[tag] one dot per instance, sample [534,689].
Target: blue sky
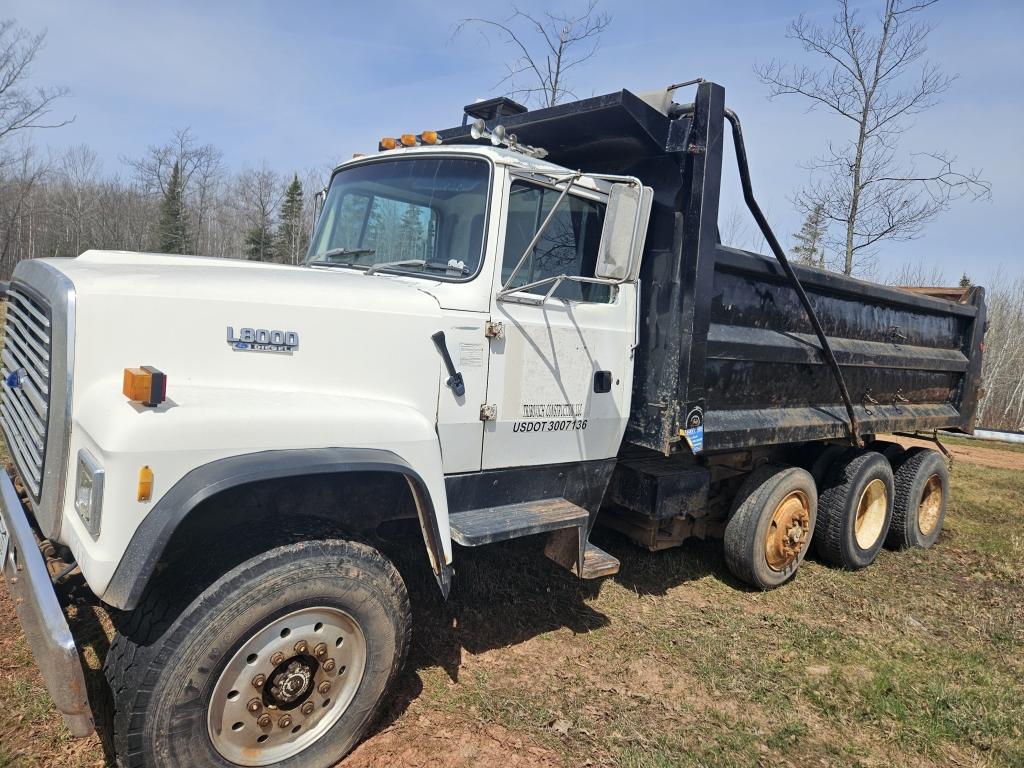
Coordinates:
[302,84]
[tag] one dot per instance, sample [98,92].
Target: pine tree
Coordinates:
[410,233]
[172,226]
[259,243]
[810,240]
[965,281]
[292,239]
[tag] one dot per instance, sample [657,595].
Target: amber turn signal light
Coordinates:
[145,385]
[145,484]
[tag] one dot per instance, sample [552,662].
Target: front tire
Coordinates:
[282,661]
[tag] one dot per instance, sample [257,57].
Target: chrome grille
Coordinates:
[24,409]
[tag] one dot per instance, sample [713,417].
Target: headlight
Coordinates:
[89,492]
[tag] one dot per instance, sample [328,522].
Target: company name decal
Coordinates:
[552,410]
[551,417]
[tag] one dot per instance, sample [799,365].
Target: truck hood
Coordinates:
[358,335]
[155,274]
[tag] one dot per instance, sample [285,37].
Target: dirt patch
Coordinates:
[431,740]
[971,454]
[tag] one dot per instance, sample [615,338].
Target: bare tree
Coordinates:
[1002,395]
[19,206]
[259,192]
[876,79]
[547,47]
[917,273]
[21,107]
[200,169]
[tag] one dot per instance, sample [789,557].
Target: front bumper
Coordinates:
[39,610]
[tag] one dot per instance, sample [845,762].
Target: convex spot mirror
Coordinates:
[625,230]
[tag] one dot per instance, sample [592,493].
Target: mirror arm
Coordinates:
[540,230]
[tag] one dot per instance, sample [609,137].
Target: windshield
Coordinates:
[413,214]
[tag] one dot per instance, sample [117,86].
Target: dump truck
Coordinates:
[523,325]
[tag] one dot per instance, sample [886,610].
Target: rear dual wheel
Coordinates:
[771,525]
[922,492]
[854,509]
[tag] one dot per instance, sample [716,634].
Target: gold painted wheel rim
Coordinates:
[788,531]
[929,509]
[867,527]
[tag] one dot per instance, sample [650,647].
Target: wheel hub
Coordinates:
[304,669]
[871,508]
[290,684]
[788,531]
[930,508]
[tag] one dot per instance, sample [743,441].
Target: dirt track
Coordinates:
[973,454]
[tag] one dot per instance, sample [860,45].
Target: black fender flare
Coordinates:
[140,558]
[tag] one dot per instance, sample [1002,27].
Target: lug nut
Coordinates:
[301,646]
[325,687]
[254,706]
[307,708]
[285,721]
[320,651]
[264,721]
[329,665]
[277,658]
[258,681]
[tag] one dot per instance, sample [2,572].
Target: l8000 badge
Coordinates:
[263,340]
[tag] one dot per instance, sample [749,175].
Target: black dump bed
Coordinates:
[728,358]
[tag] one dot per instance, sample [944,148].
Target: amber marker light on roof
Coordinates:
[408,140]
[145,385]
[388,142]
[430,137]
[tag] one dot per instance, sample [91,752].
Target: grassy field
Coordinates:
[916,661]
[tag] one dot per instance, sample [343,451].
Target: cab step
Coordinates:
[565,523]
[487,525]
[597,563]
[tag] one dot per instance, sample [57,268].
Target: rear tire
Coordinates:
[892,451]
[771,525]
[922,494]
[177,675]
[854,510]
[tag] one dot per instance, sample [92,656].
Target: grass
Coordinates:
[994,444]
[915,661]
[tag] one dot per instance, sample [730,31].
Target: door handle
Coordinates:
[455,382]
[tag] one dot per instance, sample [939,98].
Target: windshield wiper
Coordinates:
[389,264]
[325,257]
[440,265]
[462,269]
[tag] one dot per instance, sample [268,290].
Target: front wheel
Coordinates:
[282,661]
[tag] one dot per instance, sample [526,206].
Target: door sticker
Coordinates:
[551,417]
[471,355]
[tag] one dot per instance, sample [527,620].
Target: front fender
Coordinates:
[200,426]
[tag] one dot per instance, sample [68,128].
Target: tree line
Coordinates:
[177,198]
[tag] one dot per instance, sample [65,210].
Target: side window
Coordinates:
[567,247]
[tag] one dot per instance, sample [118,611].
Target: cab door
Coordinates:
[560,373]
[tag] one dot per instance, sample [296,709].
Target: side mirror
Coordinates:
[625,230]
[318,207]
